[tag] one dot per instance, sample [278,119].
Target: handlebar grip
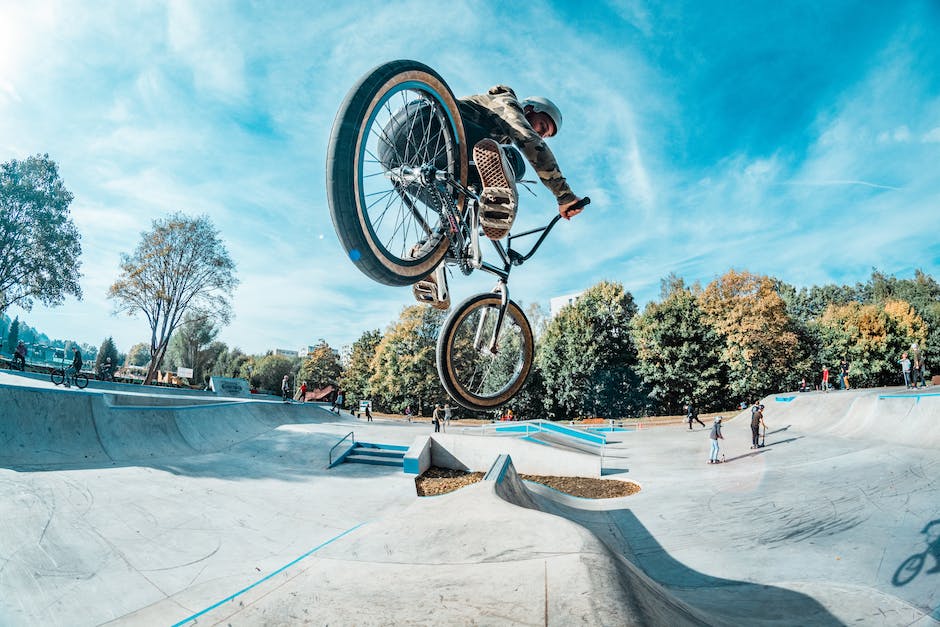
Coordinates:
[581,203]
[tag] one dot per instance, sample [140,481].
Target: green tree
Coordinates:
[587,357]
[679,353]
[268,372]
[404,362]
[138,355]
[355,377]
[232,363]
[39,244]
[179,266]
[106,350]
[322,367]
[190,343]
[761,344]
[13,336]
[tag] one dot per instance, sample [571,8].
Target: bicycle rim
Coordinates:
[57,377]
[409,129]
[473,374]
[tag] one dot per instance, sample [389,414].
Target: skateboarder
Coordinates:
[714,436]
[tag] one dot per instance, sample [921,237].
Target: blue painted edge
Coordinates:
[575,433]
[390,447]
[784,399]
[410,466]
[266,577]
[498,470]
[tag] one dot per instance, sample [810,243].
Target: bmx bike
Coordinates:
[398,174]
[58,376]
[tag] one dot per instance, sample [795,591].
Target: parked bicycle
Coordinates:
[398,174]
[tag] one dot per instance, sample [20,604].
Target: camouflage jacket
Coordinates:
[498,112]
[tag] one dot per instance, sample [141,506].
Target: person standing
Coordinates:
[906,369]
[917,366]
[436,417]
[303,392]
[447,410]
[844,375]
[714,436]
[285,388]
[825,378]
[757,421]
[691,414]
[368,412]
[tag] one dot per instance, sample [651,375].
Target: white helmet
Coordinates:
[546,106]
[717,418]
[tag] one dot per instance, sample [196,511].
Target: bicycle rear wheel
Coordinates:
[397,127]
[474,376]
[57,376]
[81,380]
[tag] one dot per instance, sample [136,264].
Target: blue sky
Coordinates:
[797,139]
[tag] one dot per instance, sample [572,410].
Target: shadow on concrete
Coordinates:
[727,601]
[913,565]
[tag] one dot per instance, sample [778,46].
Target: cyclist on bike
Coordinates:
[105,371]
[76,366]
[496,123]
[19,355]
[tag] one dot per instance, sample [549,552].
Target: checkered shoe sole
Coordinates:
[499,199]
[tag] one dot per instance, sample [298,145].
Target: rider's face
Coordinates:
[541,123]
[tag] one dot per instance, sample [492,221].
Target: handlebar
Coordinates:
[517,258]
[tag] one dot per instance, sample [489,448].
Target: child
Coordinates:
[714,436]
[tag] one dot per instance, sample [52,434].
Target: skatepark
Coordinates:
[124,507]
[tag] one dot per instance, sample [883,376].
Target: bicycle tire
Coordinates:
[908,569]
[478,379]
[81,380]
[57,376]
[378,220]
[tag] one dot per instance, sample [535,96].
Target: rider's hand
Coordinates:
[567,211]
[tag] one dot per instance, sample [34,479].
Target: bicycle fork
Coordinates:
[480,340]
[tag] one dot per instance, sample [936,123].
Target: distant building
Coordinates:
[556,304]
[305,351]
[284,352]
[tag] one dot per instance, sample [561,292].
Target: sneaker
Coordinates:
[499,198]
[432,290]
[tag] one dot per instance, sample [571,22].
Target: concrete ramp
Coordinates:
[43,428]
[878,415]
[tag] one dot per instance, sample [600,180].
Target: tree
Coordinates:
[355,377]
[404,362]
[189,344]
[232,363]
[179,266]
[13,336]
[268,372]
[106,350]
[761,346]
[322,367]
[587,357]
[39,244]
[679,353]
[138,355]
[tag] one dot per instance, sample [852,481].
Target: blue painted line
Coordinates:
[784,399]
[263,579]
[881,396]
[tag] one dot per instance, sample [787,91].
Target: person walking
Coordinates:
[303,392]
[285,388]
[368,412]
[436,417]
[714,436]
[906,369]
[757,421]
[691,414]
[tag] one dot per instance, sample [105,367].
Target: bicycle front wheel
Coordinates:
[81,380]
[397,129]
[474,375]
[57,377]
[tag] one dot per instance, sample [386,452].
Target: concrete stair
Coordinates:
[376,454]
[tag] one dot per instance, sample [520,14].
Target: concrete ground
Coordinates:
[141,510]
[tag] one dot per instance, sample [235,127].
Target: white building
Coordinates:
[556,304]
